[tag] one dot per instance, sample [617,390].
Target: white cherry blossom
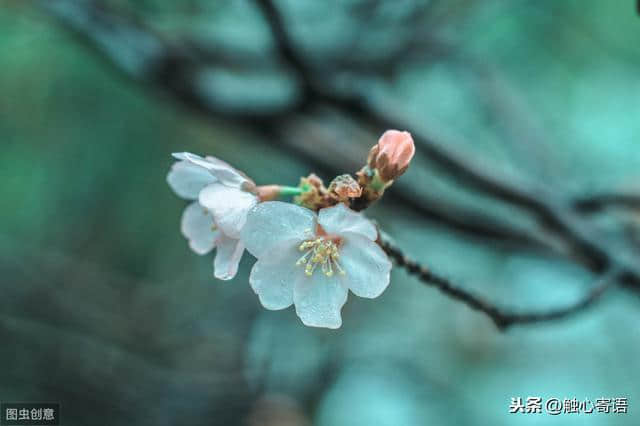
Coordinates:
[312,261]
[229,197]
[188,178]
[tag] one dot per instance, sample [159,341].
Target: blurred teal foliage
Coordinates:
[105,309]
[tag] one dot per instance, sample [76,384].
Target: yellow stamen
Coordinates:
[320,251]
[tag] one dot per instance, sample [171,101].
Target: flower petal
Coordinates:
[271,276]
[229,207]
[198,227]
[187,179]
[340,218]
[225,173]
[319,299]
[228,254]
[273,222]
[367,267]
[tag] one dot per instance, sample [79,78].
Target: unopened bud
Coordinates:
[392,154]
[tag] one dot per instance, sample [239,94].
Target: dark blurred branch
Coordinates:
[503,187]
[172,69]
[552,209]
[145,56]
[502,318]
[598,202]
[284,43]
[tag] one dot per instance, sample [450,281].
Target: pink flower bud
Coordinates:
[392,154]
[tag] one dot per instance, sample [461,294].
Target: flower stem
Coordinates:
[287,191]
[377,184]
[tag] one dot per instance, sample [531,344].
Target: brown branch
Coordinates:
[502,318]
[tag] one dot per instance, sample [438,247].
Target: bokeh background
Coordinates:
[104,309]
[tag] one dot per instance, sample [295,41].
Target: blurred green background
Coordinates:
[105,309]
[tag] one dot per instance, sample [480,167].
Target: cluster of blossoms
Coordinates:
[311,252]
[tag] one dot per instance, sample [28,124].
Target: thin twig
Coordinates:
[502,318]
